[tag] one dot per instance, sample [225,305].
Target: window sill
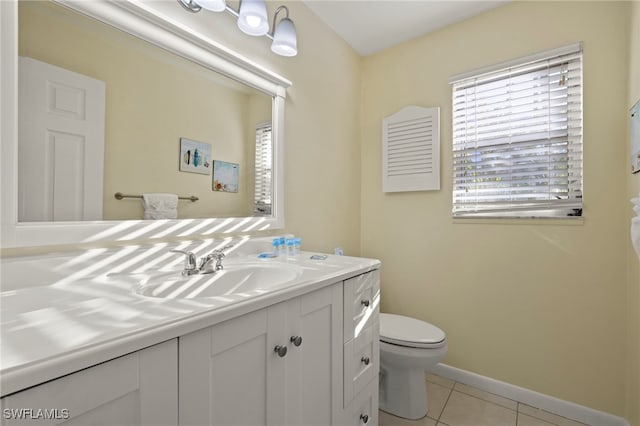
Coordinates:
[568,221]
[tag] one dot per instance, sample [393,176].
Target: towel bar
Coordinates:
[120,196]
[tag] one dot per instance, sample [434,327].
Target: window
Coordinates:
[263,171]
[517,138]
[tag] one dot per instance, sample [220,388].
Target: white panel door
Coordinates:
[60,144]
[230,374]
[314,367]
[139,389]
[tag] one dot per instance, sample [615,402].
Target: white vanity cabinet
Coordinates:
[277,366]
[249,371]
[361,348]
[304,358]
[136,389]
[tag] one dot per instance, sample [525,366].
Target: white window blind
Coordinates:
[263,171]
[517,139]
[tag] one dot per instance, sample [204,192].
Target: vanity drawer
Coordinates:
[361,361]
[365,406]
[361,303]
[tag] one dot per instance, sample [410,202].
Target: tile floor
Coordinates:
[455,404]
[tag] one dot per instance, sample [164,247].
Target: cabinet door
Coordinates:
[314,369]
[136,389]
[230,374]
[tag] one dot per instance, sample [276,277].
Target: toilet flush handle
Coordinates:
[364,418]
[365,302]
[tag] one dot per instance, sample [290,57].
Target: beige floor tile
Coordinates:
[496,399]
[438,396]
[524,420]
[466,410]
[442,381]
[386,419]
[547,416]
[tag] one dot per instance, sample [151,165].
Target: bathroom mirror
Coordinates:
[127,118]
[149,146]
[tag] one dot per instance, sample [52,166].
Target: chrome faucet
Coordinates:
[206,263]
[189,262]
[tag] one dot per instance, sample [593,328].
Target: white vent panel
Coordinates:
[411,150]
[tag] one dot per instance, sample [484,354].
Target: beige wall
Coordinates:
[633,270]
[535,304]
[152,100]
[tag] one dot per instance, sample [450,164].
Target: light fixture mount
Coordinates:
[253,20]
[190,5]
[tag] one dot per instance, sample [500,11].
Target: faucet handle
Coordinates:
[219,253]
[190,267]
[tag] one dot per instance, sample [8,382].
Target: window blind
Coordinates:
[517,139]
[263,171]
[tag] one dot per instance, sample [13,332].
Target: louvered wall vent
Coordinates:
[411,150]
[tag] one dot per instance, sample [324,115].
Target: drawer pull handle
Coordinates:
[364,418]
[366,303]
[365,360]
[296,340]
[280,350]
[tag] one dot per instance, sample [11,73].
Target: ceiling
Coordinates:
[373,25]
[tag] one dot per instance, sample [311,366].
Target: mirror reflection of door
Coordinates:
[61,144]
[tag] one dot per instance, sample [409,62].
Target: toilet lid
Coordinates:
[409,332]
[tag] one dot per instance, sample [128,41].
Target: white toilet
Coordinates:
[408,347]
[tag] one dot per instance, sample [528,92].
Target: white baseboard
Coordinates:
[548,403]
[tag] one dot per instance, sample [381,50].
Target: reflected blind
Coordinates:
[517,139]
[263,171]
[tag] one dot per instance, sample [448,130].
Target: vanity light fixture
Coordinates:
[253,20]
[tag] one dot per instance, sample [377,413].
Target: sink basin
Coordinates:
[233,279]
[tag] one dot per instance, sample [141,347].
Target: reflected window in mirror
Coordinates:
[264,169]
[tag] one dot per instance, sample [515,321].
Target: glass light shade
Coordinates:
[212,5]
[285,40]
[252,17]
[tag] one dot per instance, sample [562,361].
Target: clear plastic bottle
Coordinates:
[297,242]
[290,247]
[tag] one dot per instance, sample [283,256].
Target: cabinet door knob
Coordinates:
[280,350]
[364,418]
[365,360]
[296,340]
[366,303]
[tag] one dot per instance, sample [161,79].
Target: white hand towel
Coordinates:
[635,234]
[635,226]
[160,206]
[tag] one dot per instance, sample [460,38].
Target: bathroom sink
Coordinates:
[233,279]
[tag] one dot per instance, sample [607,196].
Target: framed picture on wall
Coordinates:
[195,157]
[635,137]
[225,176]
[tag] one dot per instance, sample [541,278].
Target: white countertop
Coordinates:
[61,313]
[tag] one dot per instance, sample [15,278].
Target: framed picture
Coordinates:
[195,157]
[635,137]
[225,176]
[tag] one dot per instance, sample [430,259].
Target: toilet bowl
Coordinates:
[408,347]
